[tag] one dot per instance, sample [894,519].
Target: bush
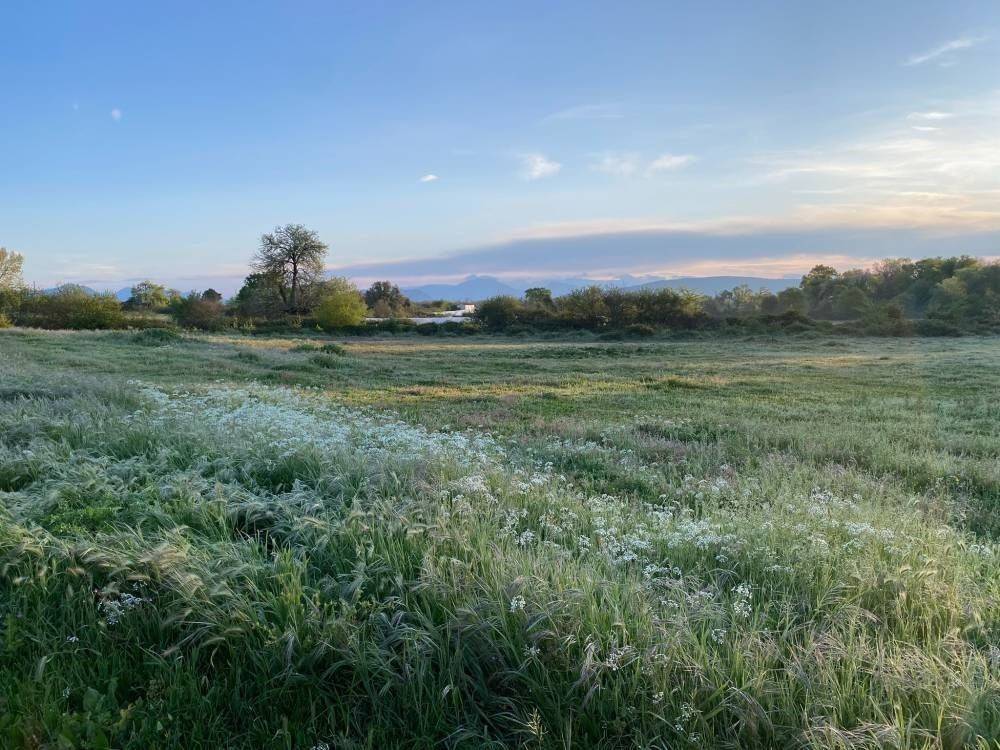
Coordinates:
[71,308]
[5,322]
[325,348]
[464,328]
[519,329]
[934,327]
[142,322]
[326,361]
[887,320]
[639,330]
[156,337]
[392,325]
[497,313]
[340,308]
[194,311]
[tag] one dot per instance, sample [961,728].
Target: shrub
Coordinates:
[519,329]
[141,322]
[326,361]
[194,311]
[935,327]
[5,322]
[72,308]
[639,330]
[392,325]
[156,337]
[497,313]
[341,306]
[887,320]
[464,328]
[325,348]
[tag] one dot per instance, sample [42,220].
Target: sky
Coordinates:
[426,141]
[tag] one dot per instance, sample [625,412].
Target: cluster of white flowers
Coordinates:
[687,715]
[741,601]
[619,656]
[115,607]
[287,421]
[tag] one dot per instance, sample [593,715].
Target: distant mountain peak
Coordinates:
[475,287]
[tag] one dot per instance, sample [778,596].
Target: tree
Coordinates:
[539,297]
[292,257]
[340,306]
[818,287]
[147,296]
[793,299]
[851,302]
[210,295]
[385,299]
[258,297]
[10,269]
[496,313]
[585,307]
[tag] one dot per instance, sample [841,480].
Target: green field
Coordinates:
[229,542]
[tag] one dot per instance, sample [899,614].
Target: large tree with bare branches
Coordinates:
[292,256]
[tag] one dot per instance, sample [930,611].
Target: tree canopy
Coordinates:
[292,257]
[341,305]
[11,264]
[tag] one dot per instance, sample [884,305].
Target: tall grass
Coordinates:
[217,565]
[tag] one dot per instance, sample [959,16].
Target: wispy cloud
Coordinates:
[953,45]
[116,114]
[898,178]
[538,166]
[670,162]
[620,165]
[429,178]
[629,164]
[932,115]
[586,112]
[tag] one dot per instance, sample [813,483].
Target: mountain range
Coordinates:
[474,288]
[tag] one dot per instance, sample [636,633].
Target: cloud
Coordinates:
[116,114]
[620,165]
[670,162]
[586,112]
[538,166]
[712,248]
[429,178]
[628,164]
[933,115]
[953,45]
[886,167]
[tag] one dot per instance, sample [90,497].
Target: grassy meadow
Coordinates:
[213,541]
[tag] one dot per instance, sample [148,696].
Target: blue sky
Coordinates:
[160,140]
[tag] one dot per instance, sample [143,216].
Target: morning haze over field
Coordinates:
[500,376]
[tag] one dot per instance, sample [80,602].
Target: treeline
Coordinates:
[287,290]
[936,296]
